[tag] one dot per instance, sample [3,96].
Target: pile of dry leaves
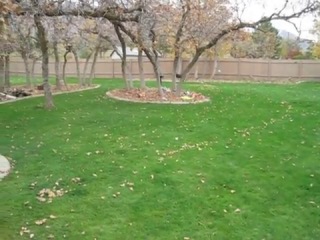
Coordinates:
[152,95]
[23,91]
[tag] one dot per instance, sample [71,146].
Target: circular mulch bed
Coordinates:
[16,93]
[151,95]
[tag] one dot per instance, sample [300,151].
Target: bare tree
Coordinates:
[43,41]
[279,15]
[93,65]
[193,26]
[57,28]
[141,69]
[123,54]
[21,28]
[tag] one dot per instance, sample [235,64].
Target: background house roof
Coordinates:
[131,52]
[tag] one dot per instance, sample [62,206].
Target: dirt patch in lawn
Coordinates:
[151,95]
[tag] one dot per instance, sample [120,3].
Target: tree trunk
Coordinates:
[84,73]
[57,65]
[129,71]
[175,71]
[2,73]
[95,56]
[45,61]
[215,68]
[215,61]
[152,56]
[177,65]
[7,72]
[196,72]
[177,44]
[190,65]
[123,56]
[141,70]
[27,69]
[64,68]
[76,58]
[34,62]
[156,69]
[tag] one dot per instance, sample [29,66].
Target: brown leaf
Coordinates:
[41,199]
[238,210]
[41,222]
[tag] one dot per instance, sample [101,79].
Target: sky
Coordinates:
[254,10]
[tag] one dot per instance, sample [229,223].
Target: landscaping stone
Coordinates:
[4,167]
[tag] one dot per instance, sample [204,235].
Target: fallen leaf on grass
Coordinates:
[130,184]
[24,230]
[47,194]
[76,180]
[238,210]
[41,222]
[32,185]
[41,199]
[116,194]
[52,217]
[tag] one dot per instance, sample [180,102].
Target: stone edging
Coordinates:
[110,95]
[4,167]
[57,93]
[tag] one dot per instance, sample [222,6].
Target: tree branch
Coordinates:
[111,13]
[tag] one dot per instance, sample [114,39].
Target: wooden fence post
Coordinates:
[113,69]
[300,70]
[269,69]
[238,69]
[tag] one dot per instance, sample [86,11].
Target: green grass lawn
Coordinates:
[244,166]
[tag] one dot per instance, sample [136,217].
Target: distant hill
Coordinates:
[304,44]
[287,35]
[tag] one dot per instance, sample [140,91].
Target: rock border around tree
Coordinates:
[113,95]
[5,167]
[54,93]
